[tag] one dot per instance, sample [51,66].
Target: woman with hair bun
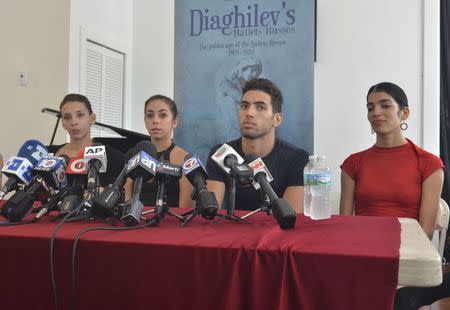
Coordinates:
[394,177]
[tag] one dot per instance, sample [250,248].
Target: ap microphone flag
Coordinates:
[96,153]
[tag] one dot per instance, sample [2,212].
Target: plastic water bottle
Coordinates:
[320,176]
[307,185]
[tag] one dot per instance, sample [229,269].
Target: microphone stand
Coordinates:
[54,130]
[161,208]
[188,216]
[232,203]
[58,118]
[86,212]
[266,206]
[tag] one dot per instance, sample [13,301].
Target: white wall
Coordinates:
[153,55]
[34,39]
[107,22]
[359,43]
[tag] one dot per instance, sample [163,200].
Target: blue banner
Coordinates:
[219,45]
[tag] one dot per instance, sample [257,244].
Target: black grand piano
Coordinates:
[126,140]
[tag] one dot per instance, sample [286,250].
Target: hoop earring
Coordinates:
[371,131]
[403,125]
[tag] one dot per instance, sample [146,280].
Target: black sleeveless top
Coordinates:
[150,189]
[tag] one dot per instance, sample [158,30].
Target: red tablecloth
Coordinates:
[340,263]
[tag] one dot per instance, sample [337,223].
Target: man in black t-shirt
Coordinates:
[259,115]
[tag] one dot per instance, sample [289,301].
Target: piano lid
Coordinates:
[126,141]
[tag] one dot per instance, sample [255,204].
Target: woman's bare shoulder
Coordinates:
[177,155]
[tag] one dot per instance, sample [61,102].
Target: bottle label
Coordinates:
[306,177]
[319,179]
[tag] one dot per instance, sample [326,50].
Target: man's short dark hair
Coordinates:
[269,88]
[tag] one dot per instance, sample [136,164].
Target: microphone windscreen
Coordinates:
[131,153]
[147,147]
[33,150]
[229,160]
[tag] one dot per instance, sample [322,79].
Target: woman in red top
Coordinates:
[394,177]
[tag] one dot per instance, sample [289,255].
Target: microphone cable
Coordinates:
[52,260]
[73,299]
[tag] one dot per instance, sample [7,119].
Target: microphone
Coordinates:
[33,150]
[140,168]
[49,175]
[76,165]
[53,170]
[72,200]
[195,172]
[221,153]
[242,172]
[206,202]
[168,171]
[103,206]
[17,206]
[233,164]
[95,162]
[18,168]
[76,169]
[165,172]
[257,165]
[52,204]
[282,211]
[60,182]
[95,159]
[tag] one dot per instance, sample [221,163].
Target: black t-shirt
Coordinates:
[114,165]
[285,162]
